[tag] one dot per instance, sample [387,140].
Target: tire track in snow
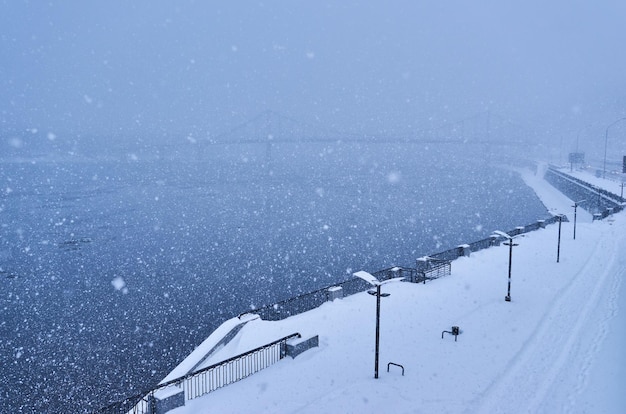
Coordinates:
[570,348]
[609,312]
[520,387]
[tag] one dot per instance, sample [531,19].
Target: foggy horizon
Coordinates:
[155,71]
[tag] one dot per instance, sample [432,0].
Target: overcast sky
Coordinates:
[177,67]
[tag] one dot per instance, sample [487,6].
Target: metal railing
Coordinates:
[598,201]
[205,380]
[135,404]
[306,301]
[482,244]
[433,268]
[234,369]
[311,300]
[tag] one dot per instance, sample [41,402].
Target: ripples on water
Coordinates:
[112,271]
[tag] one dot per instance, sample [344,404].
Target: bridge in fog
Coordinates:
[271,130]
[271,127]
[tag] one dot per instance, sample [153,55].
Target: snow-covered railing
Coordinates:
[430,268]
[306,301]
[596,200]
[438,266]
[466,249]
[234,369]
[174,393]
[311,300]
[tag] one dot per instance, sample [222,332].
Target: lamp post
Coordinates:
[510,244]
[576,204]
[558,245]
[606,141]
[375,282]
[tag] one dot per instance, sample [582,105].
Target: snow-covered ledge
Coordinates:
[297,346]
[216,341]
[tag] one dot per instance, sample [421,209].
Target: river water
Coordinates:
[112,271]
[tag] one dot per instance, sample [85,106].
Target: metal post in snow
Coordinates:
[575,207]
[377,331]
[576,204]
[558,246]
[510,244]
[508,291]
[375,282]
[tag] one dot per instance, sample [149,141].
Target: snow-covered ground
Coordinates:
[556,347]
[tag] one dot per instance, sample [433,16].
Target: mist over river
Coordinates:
[114,269]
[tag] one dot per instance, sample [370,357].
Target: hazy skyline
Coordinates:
[165,69]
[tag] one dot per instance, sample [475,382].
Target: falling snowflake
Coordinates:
[119,284]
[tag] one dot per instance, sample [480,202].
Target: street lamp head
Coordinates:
[374,293]
[371,279]
[498,233]
[501,234]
